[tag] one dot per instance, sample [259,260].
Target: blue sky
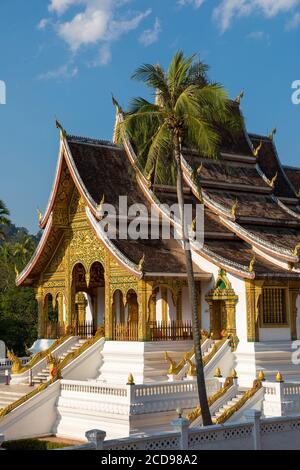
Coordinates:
[63,58]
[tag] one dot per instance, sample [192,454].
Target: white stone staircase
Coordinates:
[43,375]
[228,404]
[10,394]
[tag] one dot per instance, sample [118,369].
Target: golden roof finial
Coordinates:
[16,271]
[63,133]
[296,250]
[261,376]
[116,104]
[100,205]
[273,180]
[273,132]
[234,374]
[279,377]
[40,215]
[257,149]
[218,372]
[233,209]
[141,264]
[130,380]
[251,265]
[199,169]
[239,97]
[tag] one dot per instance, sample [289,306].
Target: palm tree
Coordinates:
[188,110]
[4,220]
[24,249]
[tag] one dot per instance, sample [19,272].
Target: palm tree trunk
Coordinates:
[206,417]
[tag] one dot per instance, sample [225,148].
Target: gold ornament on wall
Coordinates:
[257,149]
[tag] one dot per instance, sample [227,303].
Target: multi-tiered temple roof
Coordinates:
[252,210]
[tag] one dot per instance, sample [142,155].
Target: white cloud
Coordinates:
[94,22]
[64,72]
[43,23]
[293,23]
[195,3]
[150,36]
[227,10]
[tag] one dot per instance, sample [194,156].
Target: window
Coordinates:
[274,306]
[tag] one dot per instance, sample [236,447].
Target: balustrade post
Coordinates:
[96,437]
[254,416]
[181,425]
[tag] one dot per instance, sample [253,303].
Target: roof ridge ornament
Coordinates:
[141,264]
[100,205]
[234,208]
[199,169]
[251,265]
[273,180]
[40,215]
[273,133]
[296,250]
[63,133]
[257,149]
[239,97]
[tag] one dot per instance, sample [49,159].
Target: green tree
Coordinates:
[4,220]
[190,111]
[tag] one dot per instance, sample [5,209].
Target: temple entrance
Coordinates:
[89,297]
[222,302]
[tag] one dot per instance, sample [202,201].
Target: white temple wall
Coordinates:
[274,334]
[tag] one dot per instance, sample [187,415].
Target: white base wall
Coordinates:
[145,361]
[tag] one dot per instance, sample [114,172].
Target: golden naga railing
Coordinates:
[257,385]
[211,400]
[214,351]
[58,373]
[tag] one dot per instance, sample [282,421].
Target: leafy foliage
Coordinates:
[33,444]
[18,310]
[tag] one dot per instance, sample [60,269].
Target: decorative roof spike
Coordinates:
[16,271]
[234,208]
[251,265]
[257,149]
[273,133]
[296,250]
[141,264]
[116,104]
[218,372]
[130,380]
[199,169]
[279,377]
[234,374]
[100,205]
[40,215]
[239,97]
[273,180]
[63,133]
[261,376]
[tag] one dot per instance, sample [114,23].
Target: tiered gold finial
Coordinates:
[130,380]
[40,215]
[199,169]
[63,133]
[296,250]
[218,372]
[234,374]
[279,378]
[257,149]
[141,264]
[273,180]
[239,97]
[251,265]
[261,376]
[234,208]
[271,136]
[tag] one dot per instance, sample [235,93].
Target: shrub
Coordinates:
[32,444]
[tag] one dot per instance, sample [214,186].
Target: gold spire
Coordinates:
[130,380]
[271,136]
[141,264]
[273,180]
[40,215]
[239,97]
[261,376]
[251,265]
[233,209]
[296,250]
[279,377]
[63,133]
[218,372]
[100,205]
[257,149]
